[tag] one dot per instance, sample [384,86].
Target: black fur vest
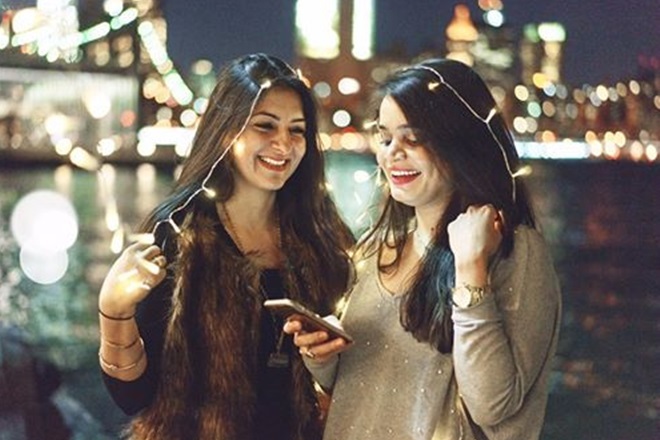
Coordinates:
[207,389]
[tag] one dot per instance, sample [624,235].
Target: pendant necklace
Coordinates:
[276,359]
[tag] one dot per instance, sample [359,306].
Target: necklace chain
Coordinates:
[231,229]
[276,359]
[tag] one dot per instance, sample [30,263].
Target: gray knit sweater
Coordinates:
[389,386]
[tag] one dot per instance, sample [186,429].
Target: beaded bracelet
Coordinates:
[116,368]
[119,346]
[116,318]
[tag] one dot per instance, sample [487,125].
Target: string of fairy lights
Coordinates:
[203,187]
[434,85]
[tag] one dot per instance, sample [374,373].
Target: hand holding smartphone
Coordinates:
[287,308]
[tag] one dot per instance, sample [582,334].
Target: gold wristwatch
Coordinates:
[467,295]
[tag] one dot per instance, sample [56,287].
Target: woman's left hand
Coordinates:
[474,236]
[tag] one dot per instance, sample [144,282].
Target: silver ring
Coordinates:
[146,284]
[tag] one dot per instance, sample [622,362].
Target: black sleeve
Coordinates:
[151,318]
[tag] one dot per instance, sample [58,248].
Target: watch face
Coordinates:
[462,296]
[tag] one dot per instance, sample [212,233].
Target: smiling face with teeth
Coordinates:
[415,176]
[273,144]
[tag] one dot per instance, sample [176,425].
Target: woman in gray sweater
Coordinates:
[456,309]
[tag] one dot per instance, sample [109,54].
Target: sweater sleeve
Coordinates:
[503,345]
[324,374]
[133,396]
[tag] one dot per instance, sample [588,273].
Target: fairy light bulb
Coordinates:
[176,227]
[523,171]
[210,192]
[490,115]
[467,105]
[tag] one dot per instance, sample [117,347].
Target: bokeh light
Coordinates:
[44,268]
[44,224]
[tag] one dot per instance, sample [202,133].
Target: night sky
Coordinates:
[604,37]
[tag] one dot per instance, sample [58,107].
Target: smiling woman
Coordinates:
[273,144]
[185,340]
[456,308]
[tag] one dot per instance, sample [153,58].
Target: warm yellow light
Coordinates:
[552,32]
[348,86]
[106,147]
[532,124]
[549,109]
[26,19]
[602,93]
[202,67]
[611,150]
[210,193]
[112,217]
[146,149]
[525,170]
[363,29]
[519,124]
[521,92]
[317,27]
[637,150]
[620,139]
[351,141]
[97,102]
[548,136]
[590,137]
[596,149]
[635,88]
[81,158]
[188,118]
[341,118]
[540,80]
[63,146]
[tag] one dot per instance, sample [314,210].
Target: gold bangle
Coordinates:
[116,318]
[119,346]
[116,368]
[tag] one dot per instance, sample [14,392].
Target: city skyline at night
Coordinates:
[604,39]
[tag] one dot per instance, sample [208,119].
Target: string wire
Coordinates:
[203,188]
[486,120]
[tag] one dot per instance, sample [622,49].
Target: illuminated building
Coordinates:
[461,36]
[335,48]
[93,75]
[541,49]
[487,45]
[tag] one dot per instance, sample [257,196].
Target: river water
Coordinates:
[601,220]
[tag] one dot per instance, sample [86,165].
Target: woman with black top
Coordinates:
[186,346]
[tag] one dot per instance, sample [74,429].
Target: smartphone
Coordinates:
[311,321]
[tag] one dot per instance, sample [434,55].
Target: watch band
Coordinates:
[467,295]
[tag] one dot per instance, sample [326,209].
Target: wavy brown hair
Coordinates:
[315,237]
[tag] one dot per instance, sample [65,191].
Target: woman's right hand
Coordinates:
[314,345]
[138,269]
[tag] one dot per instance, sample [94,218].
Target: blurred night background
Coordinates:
[99,100]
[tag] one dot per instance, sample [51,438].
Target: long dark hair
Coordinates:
[457,137]
[310,224]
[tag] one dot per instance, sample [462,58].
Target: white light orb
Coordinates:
[44,222]
[44,268]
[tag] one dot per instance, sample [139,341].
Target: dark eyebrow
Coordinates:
[264,113]
[400,127]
